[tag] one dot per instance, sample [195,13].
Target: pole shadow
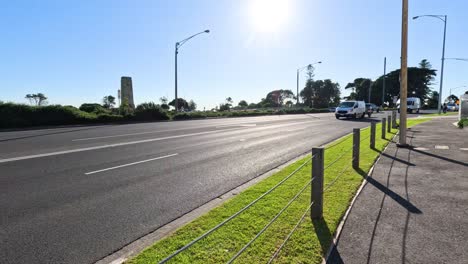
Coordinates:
[440,157]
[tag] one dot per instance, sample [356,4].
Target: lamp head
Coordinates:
[415,17]
[207,31]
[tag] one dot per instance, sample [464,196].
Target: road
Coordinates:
[77,194]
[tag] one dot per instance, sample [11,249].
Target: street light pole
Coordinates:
[384,76]
[444,19]
[297,78]
[177,46]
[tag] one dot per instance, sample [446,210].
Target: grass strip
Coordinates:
[311,239]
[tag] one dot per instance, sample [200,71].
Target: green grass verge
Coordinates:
[441,114]
[310,241]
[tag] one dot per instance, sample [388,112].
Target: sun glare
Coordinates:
[269,15]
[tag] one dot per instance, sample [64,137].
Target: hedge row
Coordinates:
[20,115]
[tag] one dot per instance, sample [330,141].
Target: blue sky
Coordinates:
[76,51]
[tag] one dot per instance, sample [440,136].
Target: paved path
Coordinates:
[414,207]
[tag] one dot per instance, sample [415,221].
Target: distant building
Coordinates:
[126,88]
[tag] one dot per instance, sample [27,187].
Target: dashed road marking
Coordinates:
[130,164]
[441,147]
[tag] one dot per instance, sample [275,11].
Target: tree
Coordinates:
[38,99]
[289,103]
[192,106]
[164,104]
[321,93]
[243,104]
[425,64]
[108,101]
[181,103]
[93,108]
[276,98]
[419,81]
[125,108]
[433,100]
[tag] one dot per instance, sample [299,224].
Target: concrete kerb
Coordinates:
[337,234]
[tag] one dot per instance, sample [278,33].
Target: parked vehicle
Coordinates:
[413,105]
[452,107]
[369,109]
[375,108]
[351,109]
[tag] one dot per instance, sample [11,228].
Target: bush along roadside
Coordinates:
[463,123]
[261,224]
[20,115]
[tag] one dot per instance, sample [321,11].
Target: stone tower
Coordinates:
[126,88]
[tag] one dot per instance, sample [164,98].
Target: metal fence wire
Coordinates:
[185,247]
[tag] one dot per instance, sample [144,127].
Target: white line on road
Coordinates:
[110,145]
[160,131]
[130,164]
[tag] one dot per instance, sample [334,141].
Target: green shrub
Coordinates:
[110,118]
[150,112]
[190,115]
[94,108]
[20,115]
[463,123]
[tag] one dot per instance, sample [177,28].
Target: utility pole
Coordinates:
[443,62]
[384,76]
[404,74]
[370,86]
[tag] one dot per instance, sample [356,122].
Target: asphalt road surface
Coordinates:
[77,194]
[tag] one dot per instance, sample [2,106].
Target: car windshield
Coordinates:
[346,104]
[410,102]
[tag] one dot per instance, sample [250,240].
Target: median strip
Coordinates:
[130,164]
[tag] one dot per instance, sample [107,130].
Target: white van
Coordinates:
[413,104]
[352,109]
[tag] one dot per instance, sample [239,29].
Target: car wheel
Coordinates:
[369,115]
[410,111]
[417,111]
[337,117]
[354,116]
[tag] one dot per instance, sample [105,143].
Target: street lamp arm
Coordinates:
[182,42]
[307,66]
[459,59]
[441,17]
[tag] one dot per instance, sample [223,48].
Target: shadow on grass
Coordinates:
[325,238]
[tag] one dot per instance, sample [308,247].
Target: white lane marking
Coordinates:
[463,148]
[421,148]
[109,146]
[239,125]
[130,164]
[441,147]
[160,131]
[140,141]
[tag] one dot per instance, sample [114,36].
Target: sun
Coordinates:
[269,16]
